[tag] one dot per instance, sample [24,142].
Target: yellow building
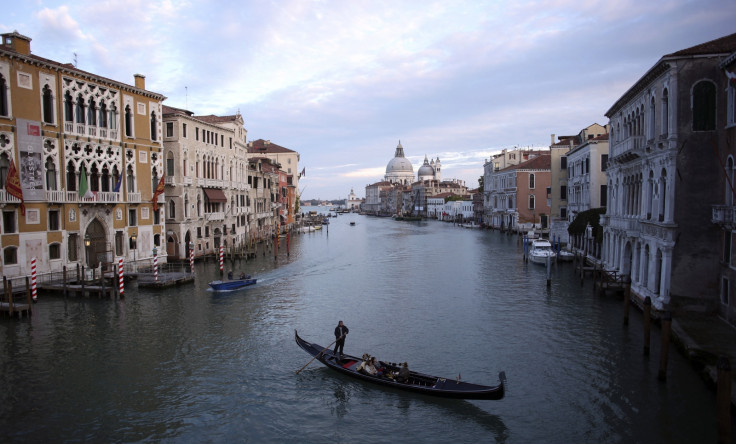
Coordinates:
[88,151]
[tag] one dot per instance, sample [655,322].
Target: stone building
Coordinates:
[206,182]
[89,155]
[663,169]
[288,161]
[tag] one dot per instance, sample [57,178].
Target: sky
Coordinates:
[342,82]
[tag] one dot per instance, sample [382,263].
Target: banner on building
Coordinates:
[30,160]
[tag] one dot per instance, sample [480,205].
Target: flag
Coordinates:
[12,186]
[303,173]
[84,191]
[159,190]
[117,185]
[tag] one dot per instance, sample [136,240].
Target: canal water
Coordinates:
[189,365]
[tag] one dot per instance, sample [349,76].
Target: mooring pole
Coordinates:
[666,329]
[647,324]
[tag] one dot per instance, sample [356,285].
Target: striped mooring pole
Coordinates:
[33,280]
[155,264]
[221,259]
[120,277]
[191,259]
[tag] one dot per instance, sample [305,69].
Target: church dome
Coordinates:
[399,165]
[425,170]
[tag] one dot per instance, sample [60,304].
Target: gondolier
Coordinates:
[340,332]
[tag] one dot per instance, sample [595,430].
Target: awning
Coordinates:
[215,195]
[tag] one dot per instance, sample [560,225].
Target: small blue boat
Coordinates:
[233,284]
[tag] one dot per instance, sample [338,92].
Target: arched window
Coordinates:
[94,178]
[50,174]
[154,126]
[704,106]
[650,195]
[130,179]
[103,115]
[105,181]
[68,107]
[172,209]
[4,111]
[128,121]
[113,117]
[665,113]
[663,195]
[92,113]
[71,177]
[4,165]
[48,105]
[531,201]
[652,120]
[186,206]
[79,109]
[531,181]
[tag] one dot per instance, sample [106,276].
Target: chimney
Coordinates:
[553,140]
[17,42]
[140,81]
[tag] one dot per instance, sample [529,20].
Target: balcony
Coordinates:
[169,180]
[134,197]
[187,180]
[55,196]
[723,215]
[629,148]
[217,216]
[6,197]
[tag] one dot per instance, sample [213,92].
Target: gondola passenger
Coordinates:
[403,373]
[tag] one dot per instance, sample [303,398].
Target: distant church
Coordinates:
[400,171]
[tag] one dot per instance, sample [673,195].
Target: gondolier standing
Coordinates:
[340,332]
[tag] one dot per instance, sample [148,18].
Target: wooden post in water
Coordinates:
[78,278]
[647,324]
[723,400]
[83,279]
[28,292]
[627,301]
[63,274]
[666,329]
[549,271]
[10,298]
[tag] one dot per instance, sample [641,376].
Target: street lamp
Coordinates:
[87,243]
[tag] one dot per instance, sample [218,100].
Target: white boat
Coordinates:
[540,250]
[565,256]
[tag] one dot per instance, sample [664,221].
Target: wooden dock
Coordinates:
[9,303]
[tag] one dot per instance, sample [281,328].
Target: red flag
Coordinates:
[159,190]
[12,186]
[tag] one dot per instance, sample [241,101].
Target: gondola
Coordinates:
[233,284]
[417,382]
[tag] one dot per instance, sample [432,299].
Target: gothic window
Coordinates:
[665,113]
[663,195]
[50,174]
[68,107]
[103,115]
[71,177]
[105,182]
[154,126]
[172,209]
[4,111]
[4,165]
[79,109]
[130,180]
[650,130]
[48,105]
[92,113]
[531,182]
[731,113]
[704,106]
[128,121]
[113,117]
[729,182]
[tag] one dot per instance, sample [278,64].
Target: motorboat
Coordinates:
[541,249]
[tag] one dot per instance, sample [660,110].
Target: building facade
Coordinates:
[661,176]
[88,153]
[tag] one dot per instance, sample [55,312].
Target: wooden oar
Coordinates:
[323,350]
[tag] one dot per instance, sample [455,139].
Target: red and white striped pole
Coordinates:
[120,277]
[191,259]
[155,264]
[221,259]
[33,280]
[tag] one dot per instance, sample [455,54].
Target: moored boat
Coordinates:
[541,249]
[416,382]
[565,256]
[233,284]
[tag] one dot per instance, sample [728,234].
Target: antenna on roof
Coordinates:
[75,59]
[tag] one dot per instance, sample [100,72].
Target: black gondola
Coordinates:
[417,382]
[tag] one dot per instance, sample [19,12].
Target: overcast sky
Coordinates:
[341,82]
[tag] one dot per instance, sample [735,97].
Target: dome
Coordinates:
[399,165]
[426,169]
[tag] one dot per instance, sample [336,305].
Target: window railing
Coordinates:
[723,214]
[187,180]
[6,197]
[68,127]
[169,180]
[55,196]
[134,197]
